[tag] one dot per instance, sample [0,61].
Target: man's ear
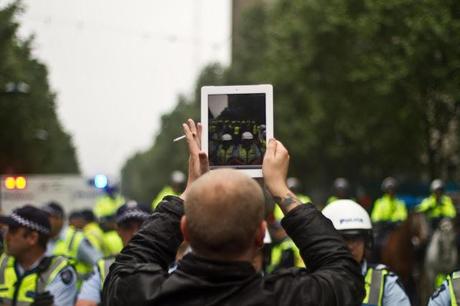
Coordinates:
[260,234]
[32,238]
[183,228]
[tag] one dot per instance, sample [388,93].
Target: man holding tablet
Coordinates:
[221,214]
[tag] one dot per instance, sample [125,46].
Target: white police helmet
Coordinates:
[436,184]
[389,183]
[226,137]
[247,136]
[347,215]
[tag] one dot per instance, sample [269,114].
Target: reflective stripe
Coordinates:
[454,288]
[103,265]
[3,265]
[374,285]
[47,276]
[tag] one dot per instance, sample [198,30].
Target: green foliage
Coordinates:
[32,139]
[362,89]
[146,173]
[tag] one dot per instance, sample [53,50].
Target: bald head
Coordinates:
[224,209]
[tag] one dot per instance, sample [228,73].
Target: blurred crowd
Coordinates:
[83,243]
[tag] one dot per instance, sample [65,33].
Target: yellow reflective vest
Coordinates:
[112,243]
[69,247]
[454,288]
[389,209]
[436,209]
[107,206]
[95,235]
[21,290]
[167,190]
[103,266]
[374,284]
[287,245]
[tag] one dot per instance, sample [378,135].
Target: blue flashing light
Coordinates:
[100,181]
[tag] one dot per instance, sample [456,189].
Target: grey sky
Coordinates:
[117,65]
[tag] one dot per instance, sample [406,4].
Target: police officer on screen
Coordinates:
[27,275]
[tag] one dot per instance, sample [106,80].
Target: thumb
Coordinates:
[271,147]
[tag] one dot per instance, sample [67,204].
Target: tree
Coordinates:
[362,89]
[32,138]
[146,173]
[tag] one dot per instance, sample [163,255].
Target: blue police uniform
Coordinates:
[393,293]
[441,297]
[92,287]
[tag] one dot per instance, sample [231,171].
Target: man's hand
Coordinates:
[275,168]
[198,163]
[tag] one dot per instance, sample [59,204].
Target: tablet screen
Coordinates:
[236,130]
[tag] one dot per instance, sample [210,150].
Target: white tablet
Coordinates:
[237,123]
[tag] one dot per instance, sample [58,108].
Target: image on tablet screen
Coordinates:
[236,130]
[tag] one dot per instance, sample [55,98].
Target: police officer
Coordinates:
[93,231]
[249,153]
[437,205]
[129,219]
[175,187]
[69,242]
[448,294]
[225,152]
[108,203]
[388,211]
[27,275]
[341,190]
[388,208]
[352,221]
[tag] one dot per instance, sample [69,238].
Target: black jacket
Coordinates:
[140,276]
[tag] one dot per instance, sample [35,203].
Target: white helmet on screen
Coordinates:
[347,215]
[226,137]
[247,136]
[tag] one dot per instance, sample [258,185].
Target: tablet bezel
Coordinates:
[266,89]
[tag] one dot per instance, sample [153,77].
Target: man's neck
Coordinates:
[28,259]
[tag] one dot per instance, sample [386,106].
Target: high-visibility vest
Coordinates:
[287,245]
[374,286]
[21,290]
[437,209]
[112,242]
[103,266]
[95,235]
[167,190]
[454,288]
[389,209]
[69,247]
[107,206]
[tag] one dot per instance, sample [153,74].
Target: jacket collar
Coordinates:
[215,271]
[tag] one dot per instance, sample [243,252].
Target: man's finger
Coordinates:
[192,126]
[204,163]
[190,141]
[199,129]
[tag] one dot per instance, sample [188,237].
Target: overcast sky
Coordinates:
[116,66]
